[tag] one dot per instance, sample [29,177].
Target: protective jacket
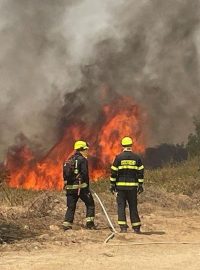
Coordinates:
[80,178]
[127,171]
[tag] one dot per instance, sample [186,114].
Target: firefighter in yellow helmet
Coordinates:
[76,183]
[127,177]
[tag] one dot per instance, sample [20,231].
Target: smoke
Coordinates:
[41,47]
[145,48]
[155,58]
[31,68]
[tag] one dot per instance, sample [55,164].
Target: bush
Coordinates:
[163,154]
[193,144]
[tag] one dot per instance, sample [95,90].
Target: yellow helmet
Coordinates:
[126,141]
[80,145]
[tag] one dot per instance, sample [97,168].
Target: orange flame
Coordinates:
[119,119]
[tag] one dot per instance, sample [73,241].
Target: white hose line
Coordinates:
[132,243]
[109,221]
[110,236]
[104,210]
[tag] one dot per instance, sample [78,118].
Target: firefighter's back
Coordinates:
[128,164]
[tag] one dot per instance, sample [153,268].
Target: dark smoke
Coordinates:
[155,58]
[145,48]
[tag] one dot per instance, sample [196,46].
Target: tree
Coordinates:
[193,144]
[163,154]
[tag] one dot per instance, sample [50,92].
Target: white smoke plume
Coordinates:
[146,48]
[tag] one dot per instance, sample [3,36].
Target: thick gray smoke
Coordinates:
[32,68]
[148,49]
[42,45]
[155,58]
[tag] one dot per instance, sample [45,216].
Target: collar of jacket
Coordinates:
[77,153]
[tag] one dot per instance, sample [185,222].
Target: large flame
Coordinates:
[121,118]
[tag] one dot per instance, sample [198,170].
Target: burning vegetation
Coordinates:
[114,117]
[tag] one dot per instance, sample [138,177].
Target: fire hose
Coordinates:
[108,219]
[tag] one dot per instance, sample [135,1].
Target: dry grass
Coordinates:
[181,178]
[174,187]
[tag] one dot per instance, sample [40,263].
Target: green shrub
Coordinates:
[193,144]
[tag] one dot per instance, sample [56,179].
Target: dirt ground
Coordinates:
[105,257]
[170,240]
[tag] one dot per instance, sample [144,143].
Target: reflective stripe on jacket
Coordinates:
[84,185]
[127,171]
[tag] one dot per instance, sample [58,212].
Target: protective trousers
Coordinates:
[130,196]
[86,197]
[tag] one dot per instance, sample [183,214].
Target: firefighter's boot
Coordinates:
[123,229]
[137,230]
[90,225]
[67,225]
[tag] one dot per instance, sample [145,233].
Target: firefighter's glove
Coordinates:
[65,185]
[140,189]
[113,189]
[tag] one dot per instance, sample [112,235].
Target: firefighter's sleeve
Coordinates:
[114,172]
[140,171]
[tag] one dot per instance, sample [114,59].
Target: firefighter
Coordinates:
[127,173]
[76,184]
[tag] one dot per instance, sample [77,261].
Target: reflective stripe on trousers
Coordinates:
[89,219]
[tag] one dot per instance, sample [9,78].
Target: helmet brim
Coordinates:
[127,145]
